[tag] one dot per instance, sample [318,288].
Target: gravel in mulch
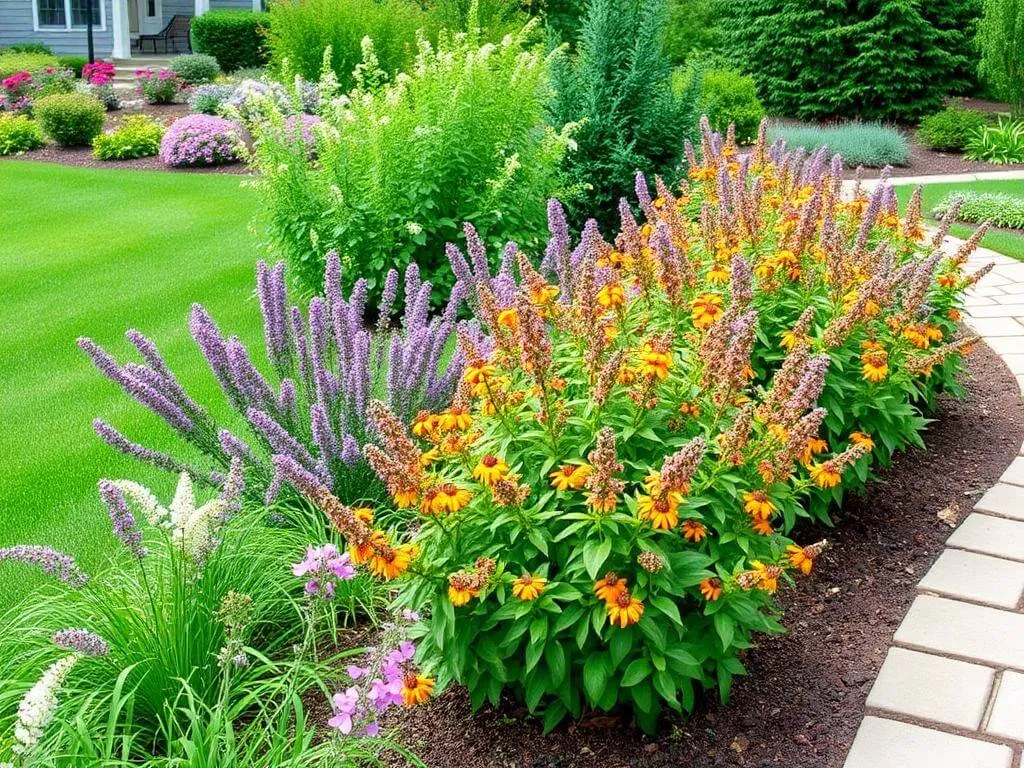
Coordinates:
[82,156]
[803,700]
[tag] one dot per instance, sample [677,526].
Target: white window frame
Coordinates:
[102,27]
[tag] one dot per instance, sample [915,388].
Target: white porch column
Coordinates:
[257,5]
[122,41]
[202,6]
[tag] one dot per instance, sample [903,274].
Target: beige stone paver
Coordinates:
[951,691]
[892,744]
[1007,718]
[932,687]
[991,536]
[957,574]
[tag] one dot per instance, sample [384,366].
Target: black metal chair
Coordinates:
[176,29]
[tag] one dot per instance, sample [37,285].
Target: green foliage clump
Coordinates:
[196,68]
[1001,42]
[619,93]
[74,63]
[1000,144]
[950,129]
[693,27]
[1001,209]
[301,32]
[18,134]
[29,48]
[70,119]
[869,144]
[137,136]
[495,18]
[403,165]
[25,62]
[874,60]
[236,39]
[727,96]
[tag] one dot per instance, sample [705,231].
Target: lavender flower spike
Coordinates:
[81,640]
[116,440]
[122,519]
[49,560]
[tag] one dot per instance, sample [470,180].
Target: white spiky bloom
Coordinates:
[37,707]
[156,514]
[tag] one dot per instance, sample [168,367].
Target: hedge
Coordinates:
[235,38]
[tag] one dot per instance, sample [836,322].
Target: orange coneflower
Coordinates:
[875,366]
[610,587]
[429,457]
[779,432]
[815,445]
[460,594]
[528,587]
[478,374]
[948,280]
[543,294]
[719,273]
[762,527]
[570,476]
[456,418]
[711,589]
[604,503]
[625,610]
[416,688]
[660,511]
[425,423]
[447,497]
[767,575]
[825,475]
[758,505]
[800,559]
[694,531]
[653,362]
[363,514]
[611,295]
[790,340]
[705,310]
[509,318]
[393,563]
[490,469]
[405,497]
[862,438]
[362,554]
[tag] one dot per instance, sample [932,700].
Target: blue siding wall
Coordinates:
[16,27]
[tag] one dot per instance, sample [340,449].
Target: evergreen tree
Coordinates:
[873,59]
[1001,39]
[619,92]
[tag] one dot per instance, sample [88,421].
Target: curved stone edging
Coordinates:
[951,691]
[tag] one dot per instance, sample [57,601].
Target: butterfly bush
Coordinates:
[327,362]
[200,140]
[603,504]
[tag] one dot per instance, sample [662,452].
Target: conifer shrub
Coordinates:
[875,60]
[619,93]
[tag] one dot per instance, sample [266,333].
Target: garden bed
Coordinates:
[83,157]
[803,700]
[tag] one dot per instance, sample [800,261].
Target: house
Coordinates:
[117,24]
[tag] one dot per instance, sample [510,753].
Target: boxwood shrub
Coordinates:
[70,119]
[18,134]
[234,38]
[950,129]
[137,136]
[196,68]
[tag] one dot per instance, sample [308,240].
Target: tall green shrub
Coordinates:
[873,59]
[618,90]
[398,168]
[301,31]
[1001,40]
[234,38]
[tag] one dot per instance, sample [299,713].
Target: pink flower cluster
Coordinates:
[324,566]
[15,81]
[17,92]
[199,140]
[377,682]
[99,72]
[161,87]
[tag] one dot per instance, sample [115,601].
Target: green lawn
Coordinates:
[1002,241]
[94,252]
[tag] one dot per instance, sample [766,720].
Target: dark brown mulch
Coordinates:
[804,698]
[83,158]
[928,162]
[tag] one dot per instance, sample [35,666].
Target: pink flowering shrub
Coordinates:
[16,96]
[99,73]
[200,140]
[161,87]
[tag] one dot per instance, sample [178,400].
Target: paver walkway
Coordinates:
[951,691]
[948,178]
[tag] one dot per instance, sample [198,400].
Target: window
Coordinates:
[67,15]
[51,13]
[79,12]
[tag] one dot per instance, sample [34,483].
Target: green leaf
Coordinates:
[538,629]
[554,655]
[637,670]
[553,716]
[595,677]
[725,627]
[620,646]
[594,556]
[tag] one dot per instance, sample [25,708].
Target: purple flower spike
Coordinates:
[121,518]
[81,640]
[51,561]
